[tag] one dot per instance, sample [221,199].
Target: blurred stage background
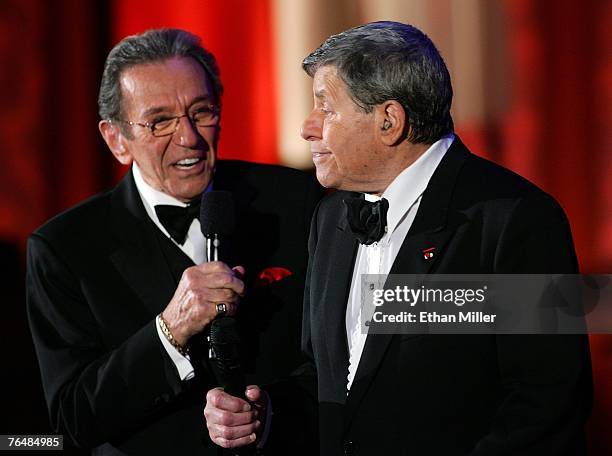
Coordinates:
[533,92]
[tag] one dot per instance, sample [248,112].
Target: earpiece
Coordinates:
[386,125]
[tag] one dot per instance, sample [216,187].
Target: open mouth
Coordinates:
[188,163]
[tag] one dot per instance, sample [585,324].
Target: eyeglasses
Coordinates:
[203,117]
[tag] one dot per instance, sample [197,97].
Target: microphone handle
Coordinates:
[228,370]
[224,359]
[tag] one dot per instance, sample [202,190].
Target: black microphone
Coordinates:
[217,220]
[224,343]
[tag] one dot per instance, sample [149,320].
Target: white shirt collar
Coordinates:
[410,184]
[150,196]
[194,243]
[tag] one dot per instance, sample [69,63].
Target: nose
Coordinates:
[312,127]
[187,134]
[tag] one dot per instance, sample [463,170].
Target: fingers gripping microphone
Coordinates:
[217,220]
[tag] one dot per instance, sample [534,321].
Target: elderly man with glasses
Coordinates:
[120,289]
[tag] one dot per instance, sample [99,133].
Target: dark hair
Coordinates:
[383,61]
[151,46]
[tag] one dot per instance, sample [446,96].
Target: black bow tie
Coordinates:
[177,219]
[367,220]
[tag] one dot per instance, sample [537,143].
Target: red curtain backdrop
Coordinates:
[555,132]
[50,63]
[239,35]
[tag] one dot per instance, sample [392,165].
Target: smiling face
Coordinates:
[343,138]
[181,164]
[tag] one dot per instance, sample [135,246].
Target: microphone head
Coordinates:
[217,213]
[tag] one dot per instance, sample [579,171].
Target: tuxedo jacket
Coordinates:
[450,394]
[97,276]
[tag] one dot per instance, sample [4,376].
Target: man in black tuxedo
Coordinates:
[414,200]
[119,289]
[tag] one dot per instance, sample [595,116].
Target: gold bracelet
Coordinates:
[163,325]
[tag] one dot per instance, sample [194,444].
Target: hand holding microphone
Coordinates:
[234,413]
[201,289]
[217,222]
[210,288]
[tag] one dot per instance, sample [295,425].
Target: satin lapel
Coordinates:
[228,179]
[138,257]
[427,231]
[337,284]
[235,181]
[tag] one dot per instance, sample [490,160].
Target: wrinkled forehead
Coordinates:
[327,84]
[174,83]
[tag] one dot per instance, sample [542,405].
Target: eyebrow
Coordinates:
[154,110]
[158,109]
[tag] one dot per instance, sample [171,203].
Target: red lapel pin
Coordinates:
[428,254]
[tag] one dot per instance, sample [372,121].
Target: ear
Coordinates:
[391,121]
[115,141]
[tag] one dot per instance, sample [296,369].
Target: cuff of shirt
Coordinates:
[182,363]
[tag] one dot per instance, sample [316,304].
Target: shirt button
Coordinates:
[348,448]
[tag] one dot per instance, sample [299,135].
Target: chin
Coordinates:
[188,194]
[327,180]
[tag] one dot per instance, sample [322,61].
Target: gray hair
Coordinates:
[151,46]
[383,61]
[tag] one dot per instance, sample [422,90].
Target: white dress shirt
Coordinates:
[194,248]
[404,196]
[195,244]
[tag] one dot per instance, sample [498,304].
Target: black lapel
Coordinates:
[176,259]
[138,257]
[341,261]
[233,176]
[428,231]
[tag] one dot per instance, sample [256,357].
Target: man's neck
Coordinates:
[403,155]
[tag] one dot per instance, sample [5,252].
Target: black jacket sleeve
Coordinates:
[94,392]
